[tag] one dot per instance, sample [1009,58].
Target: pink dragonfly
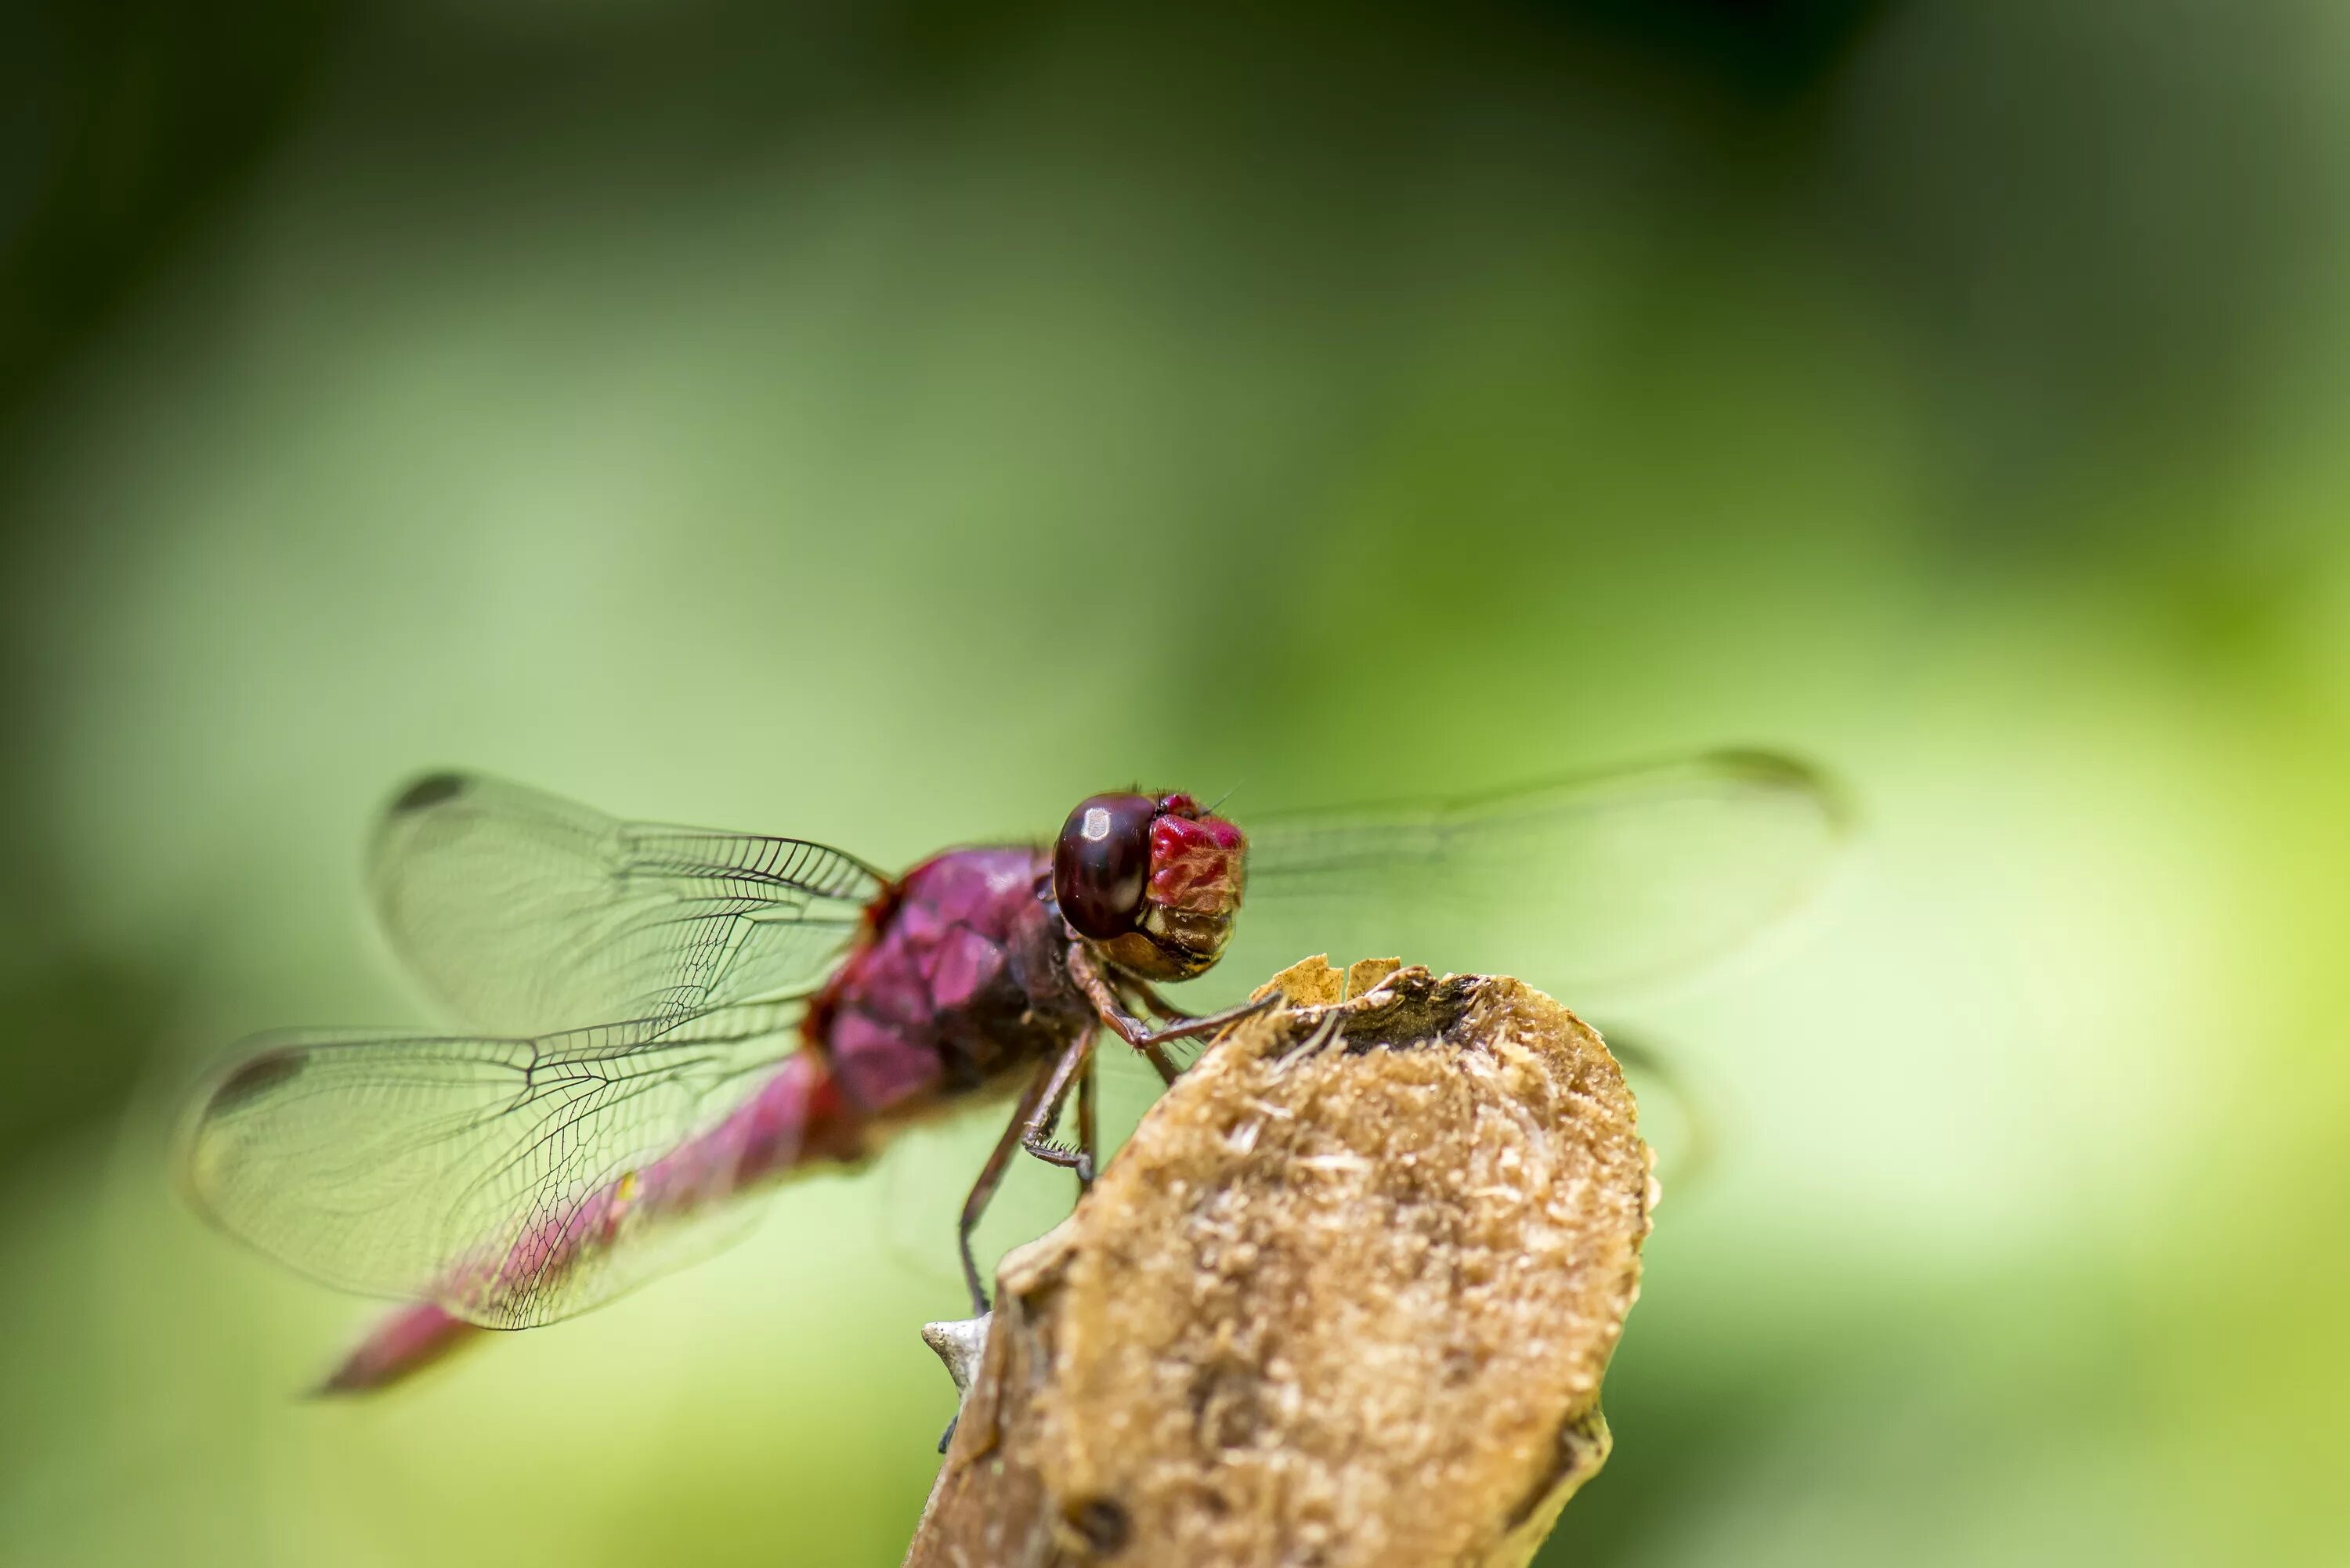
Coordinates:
[671,1019]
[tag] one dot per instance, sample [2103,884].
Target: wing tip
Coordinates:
[428,789]
[1797,775]
[195,1142]
[255,1076]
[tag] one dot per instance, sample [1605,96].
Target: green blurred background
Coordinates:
[887,422]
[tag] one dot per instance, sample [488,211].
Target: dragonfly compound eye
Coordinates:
[1101,863]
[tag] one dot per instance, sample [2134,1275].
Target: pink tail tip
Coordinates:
[404,1343]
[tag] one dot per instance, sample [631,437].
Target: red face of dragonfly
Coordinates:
[1153,880]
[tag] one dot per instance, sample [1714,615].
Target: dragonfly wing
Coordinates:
[1610,880]
[523,913]
[512,1181]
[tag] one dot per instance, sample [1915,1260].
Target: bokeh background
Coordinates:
[888,421]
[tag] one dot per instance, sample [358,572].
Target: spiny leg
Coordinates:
[1150,997]
[1075,1069]
[1151,1041]
[1195,1026]
[991,1177]
[1143,995]
[1182,1025]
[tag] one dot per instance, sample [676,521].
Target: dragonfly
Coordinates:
[654,1025]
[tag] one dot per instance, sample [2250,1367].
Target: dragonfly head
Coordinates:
[1152,879]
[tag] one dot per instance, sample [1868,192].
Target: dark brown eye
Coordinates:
[1101,862]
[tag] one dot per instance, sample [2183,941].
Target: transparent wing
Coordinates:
[1600,881]
[523,913]
[512,1181]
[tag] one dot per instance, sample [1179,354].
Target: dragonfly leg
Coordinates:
[1088,1143]
[1207,1024]
[1075,1069]
[1150,997]
[991,1177]
[1151,1041]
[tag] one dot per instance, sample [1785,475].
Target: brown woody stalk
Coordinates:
[1343,1300]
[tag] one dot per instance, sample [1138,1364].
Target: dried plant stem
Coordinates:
[1345,1300]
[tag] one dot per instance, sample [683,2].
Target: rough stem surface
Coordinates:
[1344,1300]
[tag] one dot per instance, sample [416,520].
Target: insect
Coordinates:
[661,1020]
